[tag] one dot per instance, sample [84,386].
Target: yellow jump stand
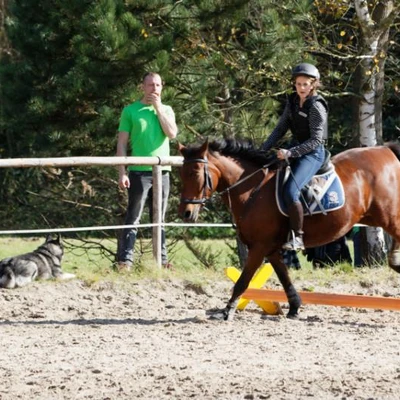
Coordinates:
[259,279]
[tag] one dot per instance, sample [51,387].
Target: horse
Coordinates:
[239,173]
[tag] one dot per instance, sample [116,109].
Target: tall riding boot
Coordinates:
[296,216]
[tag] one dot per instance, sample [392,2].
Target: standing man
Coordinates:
[146,126]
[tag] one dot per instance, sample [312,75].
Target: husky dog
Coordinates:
[42,263]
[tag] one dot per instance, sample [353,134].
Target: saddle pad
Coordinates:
[323,194]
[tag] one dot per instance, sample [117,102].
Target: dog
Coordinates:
[42,263]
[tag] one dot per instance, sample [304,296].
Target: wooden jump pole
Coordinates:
[328,299]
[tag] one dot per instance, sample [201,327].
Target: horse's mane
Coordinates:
[241,149]
[395,147]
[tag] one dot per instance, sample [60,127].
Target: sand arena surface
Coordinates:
[153,340]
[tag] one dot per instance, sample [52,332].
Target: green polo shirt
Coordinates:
[146,136]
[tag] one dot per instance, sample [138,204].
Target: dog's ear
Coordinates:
[52,238]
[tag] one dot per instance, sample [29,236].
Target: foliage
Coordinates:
[58,198]
[232,65]
[68,68]
[76,65]
[342,43]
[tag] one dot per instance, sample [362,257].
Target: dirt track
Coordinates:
[155,341]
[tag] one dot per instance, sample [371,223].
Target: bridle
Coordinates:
[208,183]
[207,186]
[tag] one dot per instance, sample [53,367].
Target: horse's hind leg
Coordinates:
[282,272]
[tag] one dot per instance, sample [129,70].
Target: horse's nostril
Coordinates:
[186,214]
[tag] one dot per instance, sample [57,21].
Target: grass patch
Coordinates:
[92,266]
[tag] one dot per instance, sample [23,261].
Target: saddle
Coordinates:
[324,192]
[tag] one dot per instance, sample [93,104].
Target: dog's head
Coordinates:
[54,245]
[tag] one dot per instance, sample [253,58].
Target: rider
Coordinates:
[306,115]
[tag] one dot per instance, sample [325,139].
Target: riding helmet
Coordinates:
[305,69]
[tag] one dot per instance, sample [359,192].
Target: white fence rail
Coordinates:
[88,161]
[155,162]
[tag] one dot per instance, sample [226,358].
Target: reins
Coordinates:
[266,166]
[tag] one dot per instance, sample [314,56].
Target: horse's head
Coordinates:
[197,182]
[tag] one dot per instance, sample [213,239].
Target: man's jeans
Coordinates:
[140,192]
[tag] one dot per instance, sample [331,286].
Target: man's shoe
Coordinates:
[296,243]
[123,267]
[168,265]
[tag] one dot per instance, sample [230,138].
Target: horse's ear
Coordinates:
[204,148]
[181,148]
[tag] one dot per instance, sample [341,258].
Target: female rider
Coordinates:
[306,116]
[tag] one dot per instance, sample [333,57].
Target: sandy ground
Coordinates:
[153,340]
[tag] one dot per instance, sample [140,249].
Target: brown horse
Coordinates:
[371,182]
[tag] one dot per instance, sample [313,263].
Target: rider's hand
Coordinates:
[283,154]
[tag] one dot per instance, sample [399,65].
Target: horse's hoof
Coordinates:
[229,316]
[222,315]
[292,315]
[218,316]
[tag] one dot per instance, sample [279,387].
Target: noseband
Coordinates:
[207,182]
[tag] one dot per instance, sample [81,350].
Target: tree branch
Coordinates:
[75,203]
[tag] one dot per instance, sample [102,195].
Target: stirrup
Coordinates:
[294,244]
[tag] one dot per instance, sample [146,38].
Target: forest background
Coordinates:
[68,68]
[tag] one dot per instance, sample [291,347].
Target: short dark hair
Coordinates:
[151,74]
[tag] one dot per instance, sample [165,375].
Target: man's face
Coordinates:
[152,84]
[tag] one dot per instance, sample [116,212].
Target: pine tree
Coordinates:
[77,64]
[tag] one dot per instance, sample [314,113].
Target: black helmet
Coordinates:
[305,69]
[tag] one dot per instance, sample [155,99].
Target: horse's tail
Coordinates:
[395,147]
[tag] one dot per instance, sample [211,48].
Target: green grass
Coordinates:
[91,265]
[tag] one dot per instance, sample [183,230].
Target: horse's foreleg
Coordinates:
[282,272]
[254,259]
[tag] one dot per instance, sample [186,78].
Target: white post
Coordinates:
[157,213]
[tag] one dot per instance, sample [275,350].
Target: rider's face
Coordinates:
[304,86]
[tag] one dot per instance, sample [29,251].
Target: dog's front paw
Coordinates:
[66,275]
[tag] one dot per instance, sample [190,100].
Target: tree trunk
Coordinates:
[373,34]
[381,12]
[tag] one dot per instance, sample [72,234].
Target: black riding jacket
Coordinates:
[308,124]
